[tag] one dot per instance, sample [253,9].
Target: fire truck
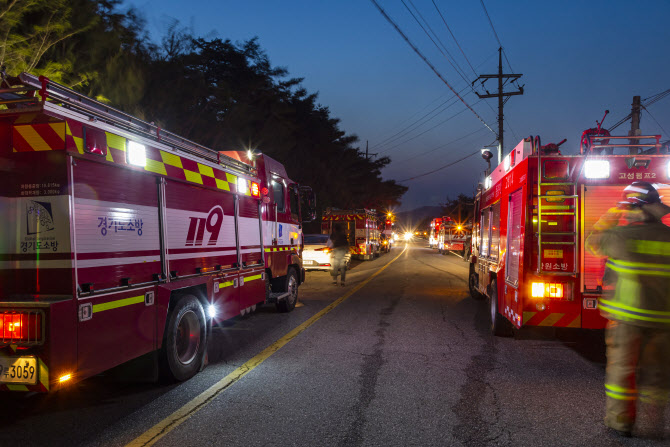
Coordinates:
[453,236]
[434,231]
[122,240]
[360,225]
[533,215]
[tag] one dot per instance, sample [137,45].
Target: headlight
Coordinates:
[596,169]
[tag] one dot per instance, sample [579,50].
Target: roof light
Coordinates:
[488,182]
[137,154]
[241,185]
[596,169]
[506,162]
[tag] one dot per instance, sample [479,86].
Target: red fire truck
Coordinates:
[532,217]
[361,228]
[453,236]
[121,239]
[434,231]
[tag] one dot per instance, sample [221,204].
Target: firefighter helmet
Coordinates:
[640,193]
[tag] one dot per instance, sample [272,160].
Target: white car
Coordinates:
[315,254]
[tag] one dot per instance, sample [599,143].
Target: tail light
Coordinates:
[23,327]
[255,190]
[326,250]
[547,290]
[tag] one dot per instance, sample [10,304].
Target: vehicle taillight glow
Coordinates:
[255,189]
[547,290]
[20,327]
[537,290]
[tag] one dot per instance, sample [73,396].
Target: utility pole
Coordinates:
[366,151]
[634,124]
[500,95]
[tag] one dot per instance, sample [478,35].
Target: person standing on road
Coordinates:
[638,333]
[340,246]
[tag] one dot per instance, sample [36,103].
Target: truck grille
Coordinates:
[24,327]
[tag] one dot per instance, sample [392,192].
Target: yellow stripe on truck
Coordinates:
[118,303]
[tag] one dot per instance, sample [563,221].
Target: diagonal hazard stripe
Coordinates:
[32,138]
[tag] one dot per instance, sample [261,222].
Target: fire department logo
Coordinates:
[39,217]
[210,224]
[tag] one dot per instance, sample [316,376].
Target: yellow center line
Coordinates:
[155,433]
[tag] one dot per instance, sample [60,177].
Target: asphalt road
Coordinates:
[401,356]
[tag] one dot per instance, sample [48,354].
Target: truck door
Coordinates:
[116,235]
[202,237]
[251,282]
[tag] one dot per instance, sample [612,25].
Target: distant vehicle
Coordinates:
[316,255]
[385,243]
[360,226]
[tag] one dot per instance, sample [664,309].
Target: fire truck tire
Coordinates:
[185,339]
[500,327]
[473,280]
[288,304]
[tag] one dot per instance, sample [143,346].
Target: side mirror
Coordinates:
[308,203]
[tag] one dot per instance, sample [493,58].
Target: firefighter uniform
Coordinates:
[638,334]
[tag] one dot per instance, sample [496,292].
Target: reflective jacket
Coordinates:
[639,254]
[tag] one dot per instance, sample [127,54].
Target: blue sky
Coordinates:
[577,58]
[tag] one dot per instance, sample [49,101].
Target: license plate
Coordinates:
[18,370]
[308,262]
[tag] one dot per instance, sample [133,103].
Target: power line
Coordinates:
[645,103]
[441,146]
[449,58]
[408,129]
[425,131]
[454,37]
[652,117]
[495,34]
[416,50]
[439,169]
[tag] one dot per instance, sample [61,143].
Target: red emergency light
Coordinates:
[255,190]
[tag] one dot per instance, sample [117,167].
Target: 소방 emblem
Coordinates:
[39,217]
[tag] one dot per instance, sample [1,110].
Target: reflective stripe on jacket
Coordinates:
[639,254]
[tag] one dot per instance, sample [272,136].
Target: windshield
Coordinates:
[315,239]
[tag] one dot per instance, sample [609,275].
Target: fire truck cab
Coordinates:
[532,216]
[122,239]
[361,228]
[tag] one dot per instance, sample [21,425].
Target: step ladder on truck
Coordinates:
[123,238]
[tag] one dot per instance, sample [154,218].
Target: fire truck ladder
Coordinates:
[555,210]
[53,93]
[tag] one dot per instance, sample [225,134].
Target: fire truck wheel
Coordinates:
[472,284]
[499,325]
[288,304]
[185,339]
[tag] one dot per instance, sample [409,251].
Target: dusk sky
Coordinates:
[577,59]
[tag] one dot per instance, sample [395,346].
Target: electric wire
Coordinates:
[432,67]
[652,117]
[440,168]
[454,37]
[407,129]
[426,131]
[644,103]
[496,35]
[447,56]
[441,146]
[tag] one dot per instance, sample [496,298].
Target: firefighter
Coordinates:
[338,242]
[638,333]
